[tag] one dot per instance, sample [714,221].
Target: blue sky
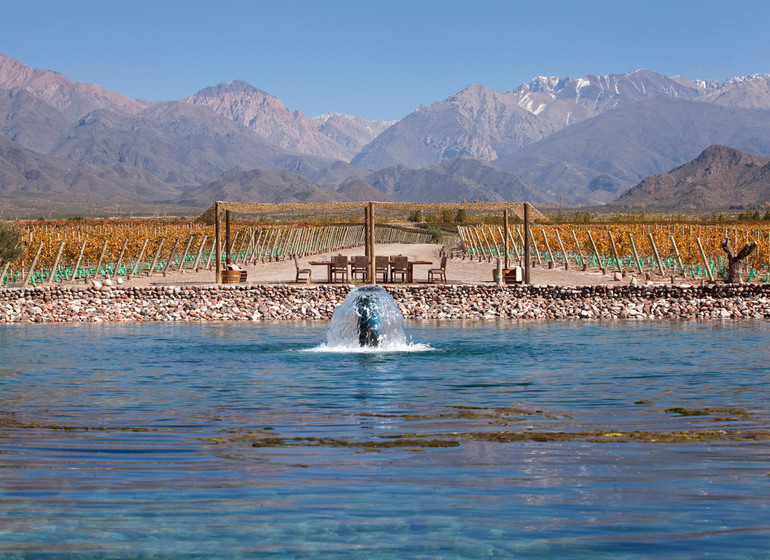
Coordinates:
[378,59]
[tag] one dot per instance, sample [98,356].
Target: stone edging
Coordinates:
[467,302]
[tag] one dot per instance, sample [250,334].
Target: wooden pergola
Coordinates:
[213,215]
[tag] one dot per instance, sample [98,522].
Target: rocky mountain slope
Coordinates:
[570,140]
[25,171]
[72,99]
[267,116]
[477,122]
[598,159]
[257,185]
[173,144]
[486,124]
[350,133]
[719,178]
[31,122]
[454,180]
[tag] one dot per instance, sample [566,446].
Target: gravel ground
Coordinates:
[459,271]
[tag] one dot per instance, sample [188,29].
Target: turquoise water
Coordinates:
[477,440]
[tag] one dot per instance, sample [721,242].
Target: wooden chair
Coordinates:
[301,272]
[360,266]
[381,265]
[439,273]
[400,266]
[339,267]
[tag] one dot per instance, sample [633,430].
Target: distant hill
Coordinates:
[72,99]
[30,122]
[358,190]
[257,185]
[477,122]
[483,123]
[570,140]
[25,171]
[454,180]
[268,117]
[350,133]
[719,178]
[598,159]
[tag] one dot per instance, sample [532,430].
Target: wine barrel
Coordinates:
[231,276]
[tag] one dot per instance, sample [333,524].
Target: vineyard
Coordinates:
[78,250]
[72,251]
[686,250]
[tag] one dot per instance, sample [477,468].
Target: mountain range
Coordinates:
[718,172]
[552,140]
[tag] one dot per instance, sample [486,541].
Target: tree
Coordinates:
[11,244]
[734,261]
[460,217]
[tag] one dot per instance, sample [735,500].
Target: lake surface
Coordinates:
[477,440]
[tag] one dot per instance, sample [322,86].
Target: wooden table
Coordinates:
[409,268]
[329,266]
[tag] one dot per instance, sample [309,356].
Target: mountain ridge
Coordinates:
[73,99]
[576,140]
[266,115]
[718,178]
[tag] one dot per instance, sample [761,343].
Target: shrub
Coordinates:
[11,244]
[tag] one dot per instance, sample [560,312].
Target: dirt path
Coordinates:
[459,271]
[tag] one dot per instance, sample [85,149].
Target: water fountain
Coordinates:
[369,317]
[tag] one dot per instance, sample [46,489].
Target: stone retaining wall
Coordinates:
[289,303]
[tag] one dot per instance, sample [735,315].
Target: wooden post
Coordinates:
[77,262]
[521,237]
[579,249]
[505,240]
[217,246]
[372,267]
[534,245]
[563,252]
[55,262]
[478,243]
[210,258]
[367,218]
[551,261]
[265,247]
[636,255]
[157,254]
[32,266]
[240,248]
[200,252]
[486,242]
[116,270]
[509,235]
[676,252]
[505,248]
[615,252]
[170,256]
[101,258]
[139,258]
[527,278]
[228,247]
[274,246]
[596,252]
[705,261]
[184,256]
[655,252]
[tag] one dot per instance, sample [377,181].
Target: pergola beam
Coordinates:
[267,207]
[213,214]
